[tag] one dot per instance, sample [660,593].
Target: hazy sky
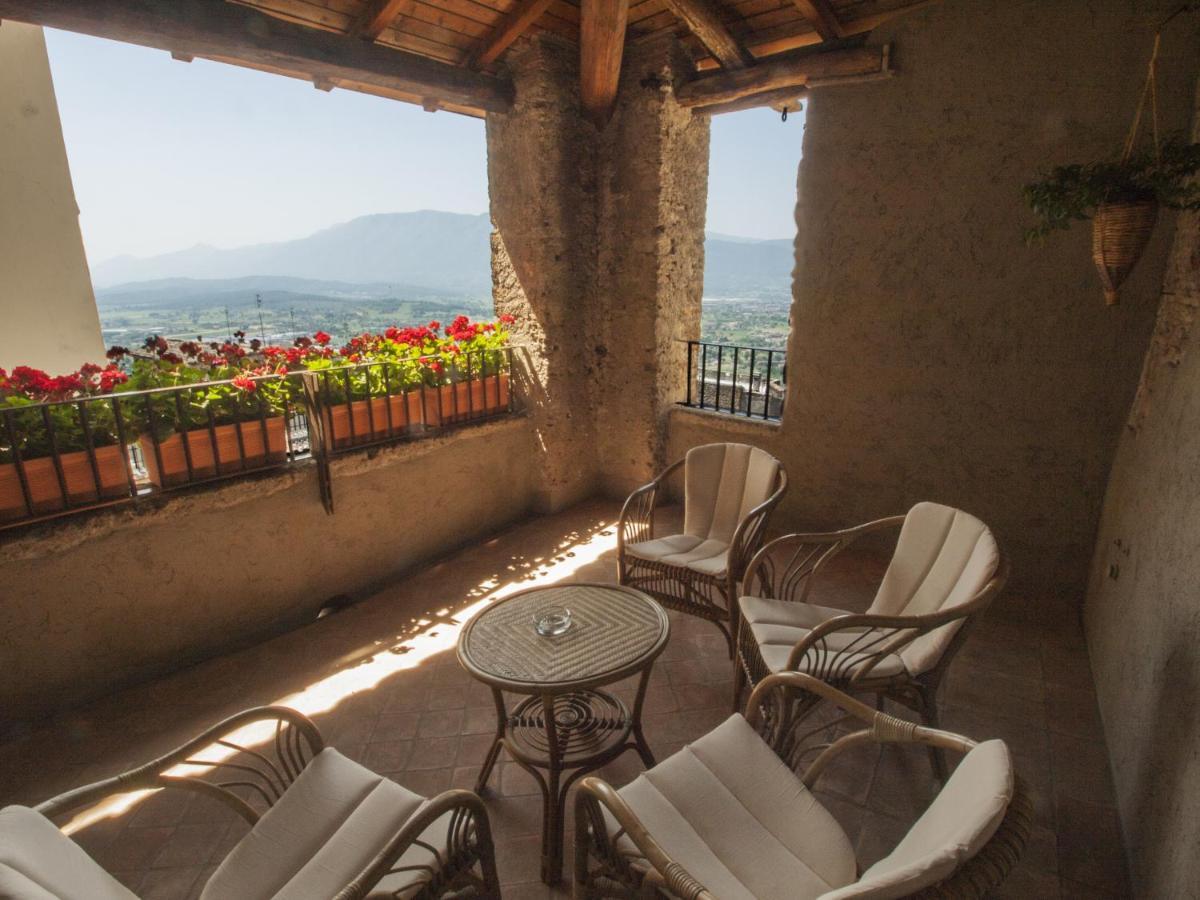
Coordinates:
[165,155]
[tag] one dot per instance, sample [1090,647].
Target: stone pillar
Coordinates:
[598,252]
[540,173]
[651,203]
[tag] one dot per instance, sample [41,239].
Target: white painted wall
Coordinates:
[48,315]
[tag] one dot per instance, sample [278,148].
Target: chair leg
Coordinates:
[487,856]
[739,683]
[929,713]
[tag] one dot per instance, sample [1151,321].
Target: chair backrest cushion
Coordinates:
[39,862]
[960,821]
[944,558]
[722,483]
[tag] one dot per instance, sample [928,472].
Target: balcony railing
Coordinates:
[70,456]
[738,381]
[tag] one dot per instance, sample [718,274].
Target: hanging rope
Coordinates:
[1150,90]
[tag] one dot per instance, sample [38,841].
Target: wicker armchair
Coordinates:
[730,491]
[322,826]
[945,571]
[728,816]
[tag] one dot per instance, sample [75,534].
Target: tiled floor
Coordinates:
[381,681]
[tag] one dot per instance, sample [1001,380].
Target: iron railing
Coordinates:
[738,381]
[69,456]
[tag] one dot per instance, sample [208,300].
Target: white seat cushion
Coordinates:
[722,484]
[703,556]
[943,558]
[39,862]
[779,625]
[962,818]
[738,820]
[321,834]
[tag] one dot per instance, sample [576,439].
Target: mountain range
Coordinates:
[390,254]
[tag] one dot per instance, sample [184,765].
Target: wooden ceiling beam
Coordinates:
[377,16]
[864,25]
[601,45]
[792,71]
[511,27]
[240,34]
[776,100]
[822,17]
[702,20]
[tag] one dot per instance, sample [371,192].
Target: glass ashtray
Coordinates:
[551,621]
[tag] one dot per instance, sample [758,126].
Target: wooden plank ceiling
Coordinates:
[449,54]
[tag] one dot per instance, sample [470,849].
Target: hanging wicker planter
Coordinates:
[1120,231]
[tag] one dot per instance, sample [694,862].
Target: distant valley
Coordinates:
[385,269]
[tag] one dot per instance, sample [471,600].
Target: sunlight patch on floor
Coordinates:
[438,635]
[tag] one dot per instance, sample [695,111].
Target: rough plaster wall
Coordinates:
[933,355]
[1143,610]
[540,165]
[123,597]
[650,268]
[48,316]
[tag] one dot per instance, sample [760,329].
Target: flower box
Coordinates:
[263,443]
[452,403]
[45,492]
[367,420]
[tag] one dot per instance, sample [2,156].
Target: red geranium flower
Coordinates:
[322,338]
[245,383]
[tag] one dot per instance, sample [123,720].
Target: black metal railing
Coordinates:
[69,456]
[738,381]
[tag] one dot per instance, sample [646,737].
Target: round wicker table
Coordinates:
[565,723]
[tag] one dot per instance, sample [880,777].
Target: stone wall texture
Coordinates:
[126,596]
[541,173]
[598,251]
[933,355]
[1143,608]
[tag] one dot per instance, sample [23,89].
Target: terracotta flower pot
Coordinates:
[45,491]
[467,400]
[367,420]
[262,444]
[1120,231]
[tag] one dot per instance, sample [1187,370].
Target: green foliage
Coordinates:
[1072,193]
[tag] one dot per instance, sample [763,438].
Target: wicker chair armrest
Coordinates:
[267,778]
[468,822]
[636,522]
[870,638]
[594,797]
[779,709]
[785,568]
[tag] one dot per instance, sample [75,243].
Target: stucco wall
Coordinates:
[48,315]
[88,606]
[933,355]
[1143,608]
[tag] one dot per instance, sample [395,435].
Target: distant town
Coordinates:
[393,269]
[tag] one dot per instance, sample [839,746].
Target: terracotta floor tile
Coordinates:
[1020,677]
[1089,846]
[387,756]
[190,845]
[441,723]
